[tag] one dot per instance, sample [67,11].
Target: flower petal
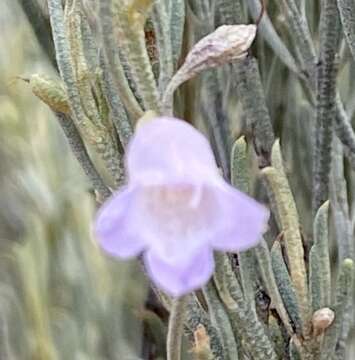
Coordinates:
[168,150]
[242,220]
[180,279]
[176,220]
[115,225]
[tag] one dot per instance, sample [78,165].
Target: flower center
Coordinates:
[179,204]
[180,196]
[178,218]
[177,211]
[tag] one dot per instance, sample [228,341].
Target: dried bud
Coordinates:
[322,319]
[51,92]
[225,44]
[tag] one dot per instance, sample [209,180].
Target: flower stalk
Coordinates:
[176,328]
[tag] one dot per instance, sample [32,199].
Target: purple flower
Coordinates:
[176,208]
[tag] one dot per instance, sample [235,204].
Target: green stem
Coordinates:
[79,150]
[109,45]
[252,97]
[176,328]
[221,321]
[326,101]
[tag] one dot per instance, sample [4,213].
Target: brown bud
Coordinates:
[201,350]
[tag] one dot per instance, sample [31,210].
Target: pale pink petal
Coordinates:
[116,227]
[240,221]
[180,279]
[167,150]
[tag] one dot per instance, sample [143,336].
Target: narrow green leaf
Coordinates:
[343,293]
[320,276]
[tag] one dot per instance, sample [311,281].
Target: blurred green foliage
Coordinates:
[60,297]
